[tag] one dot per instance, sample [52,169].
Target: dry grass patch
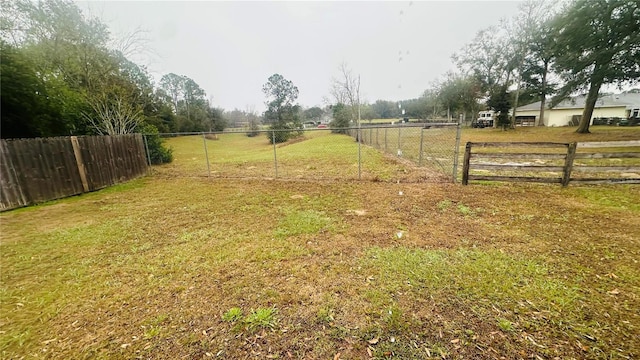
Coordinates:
[156,267]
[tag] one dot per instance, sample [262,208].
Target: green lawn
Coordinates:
[188,267]
[315,155]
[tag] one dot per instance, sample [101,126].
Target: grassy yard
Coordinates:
[189,267]
[322,155]
[315,155]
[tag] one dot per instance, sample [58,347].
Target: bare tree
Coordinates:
[113,115]
[134,44]
[346,90]
[522,30]
[485,58]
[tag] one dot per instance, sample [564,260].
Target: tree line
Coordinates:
[64,74]
[546,53]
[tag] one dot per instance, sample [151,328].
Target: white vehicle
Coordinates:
[485,119]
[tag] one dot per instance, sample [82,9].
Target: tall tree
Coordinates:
[193,96]
[500,103]
[346,90]
[385,109]
[313,114]
[485,58]
[341,118]
[282,112]
[430,102]
[189,103]
[87,82]
[526,34]
[27,108]
[173,86]
[537,67]
[460,93]
[216,117]
[597,43]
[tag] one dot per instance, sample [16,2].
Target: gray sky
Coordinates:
[231,48]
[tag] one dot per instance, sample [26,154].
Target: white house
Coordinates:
[621,106]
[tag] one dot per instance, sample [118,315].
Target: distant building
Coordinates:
[608,109]
[485,119]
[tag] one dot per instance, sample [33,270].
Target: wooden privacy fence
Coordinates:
[42,169]
[581,162]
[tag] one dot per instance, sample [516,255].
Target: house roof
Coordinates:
[628,100]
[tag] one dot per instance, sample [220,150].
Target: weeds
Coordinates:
[465,210]
[505,325]
[232,315]
[444,205]
[262,318]
[325,315]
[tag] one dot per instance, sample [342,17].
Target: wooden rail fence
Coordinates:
[546,162]
[43,169]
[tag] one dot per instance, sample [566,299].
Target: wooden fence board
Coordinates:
[518,156]
[42,169]
[508,167]
[515,178]
[11,191]
[15,160]
[31,179]
[613,155]
[607,181]
[584,168]
[608,144]
[68,170]
[520,144]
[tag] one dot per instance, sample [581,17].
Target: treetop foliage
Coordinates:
[282,113]
[61,77]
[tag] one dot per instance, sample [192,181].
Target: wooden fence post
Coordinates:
[80,163]
[568,163]
[465,165]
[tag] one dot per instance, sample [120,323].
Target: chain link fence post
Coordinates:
[399,141]
[421,142]
[386,150]
[359,154]
[275,156]
[146,148]
[456,152]
[206,154]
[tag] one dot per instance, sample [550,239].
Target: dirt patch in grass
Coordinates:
[292,141]
[150,270]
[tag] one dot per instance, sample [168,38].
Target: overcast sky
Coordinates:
[231,48]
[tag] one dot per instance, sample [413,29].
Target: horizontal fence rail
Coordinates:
[43,169]
[562,163]
[602,162]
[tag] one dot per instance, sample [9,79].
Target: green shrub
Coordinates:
[158,153]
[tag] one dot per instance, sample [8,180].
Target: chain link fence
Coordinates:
[407,152]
